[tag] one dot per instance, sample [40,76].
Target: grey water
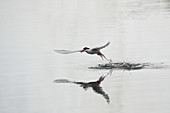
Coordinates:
[138,32]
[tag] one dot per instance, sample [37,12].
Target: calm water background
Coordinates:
[30,29]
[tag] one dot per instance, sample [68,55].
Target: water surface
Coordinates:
[30,30]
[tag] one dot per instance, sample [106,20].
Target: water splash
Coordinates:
[129,66]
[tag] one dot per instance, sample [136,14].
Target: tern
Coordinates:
[91,51]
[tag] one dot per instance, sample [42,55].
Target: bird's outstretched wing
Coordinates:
[101,47]
[79,83]
[67,81]
[62,81]
[99,90]
[66,51]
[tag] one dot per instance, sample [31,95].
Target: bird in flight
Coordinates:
[95,85]
[91,51]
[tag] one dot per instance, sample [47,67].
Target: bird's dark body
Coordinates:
[93,51]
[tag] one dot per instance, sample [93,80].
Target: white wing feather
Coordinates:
[66,51]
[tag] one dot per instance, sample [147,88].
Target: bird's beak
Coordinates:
[82,50]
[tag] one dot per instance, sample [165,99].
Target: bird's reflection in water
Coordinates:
[95,85]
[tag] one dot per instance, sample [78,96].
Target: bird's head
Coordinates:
[84,49]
